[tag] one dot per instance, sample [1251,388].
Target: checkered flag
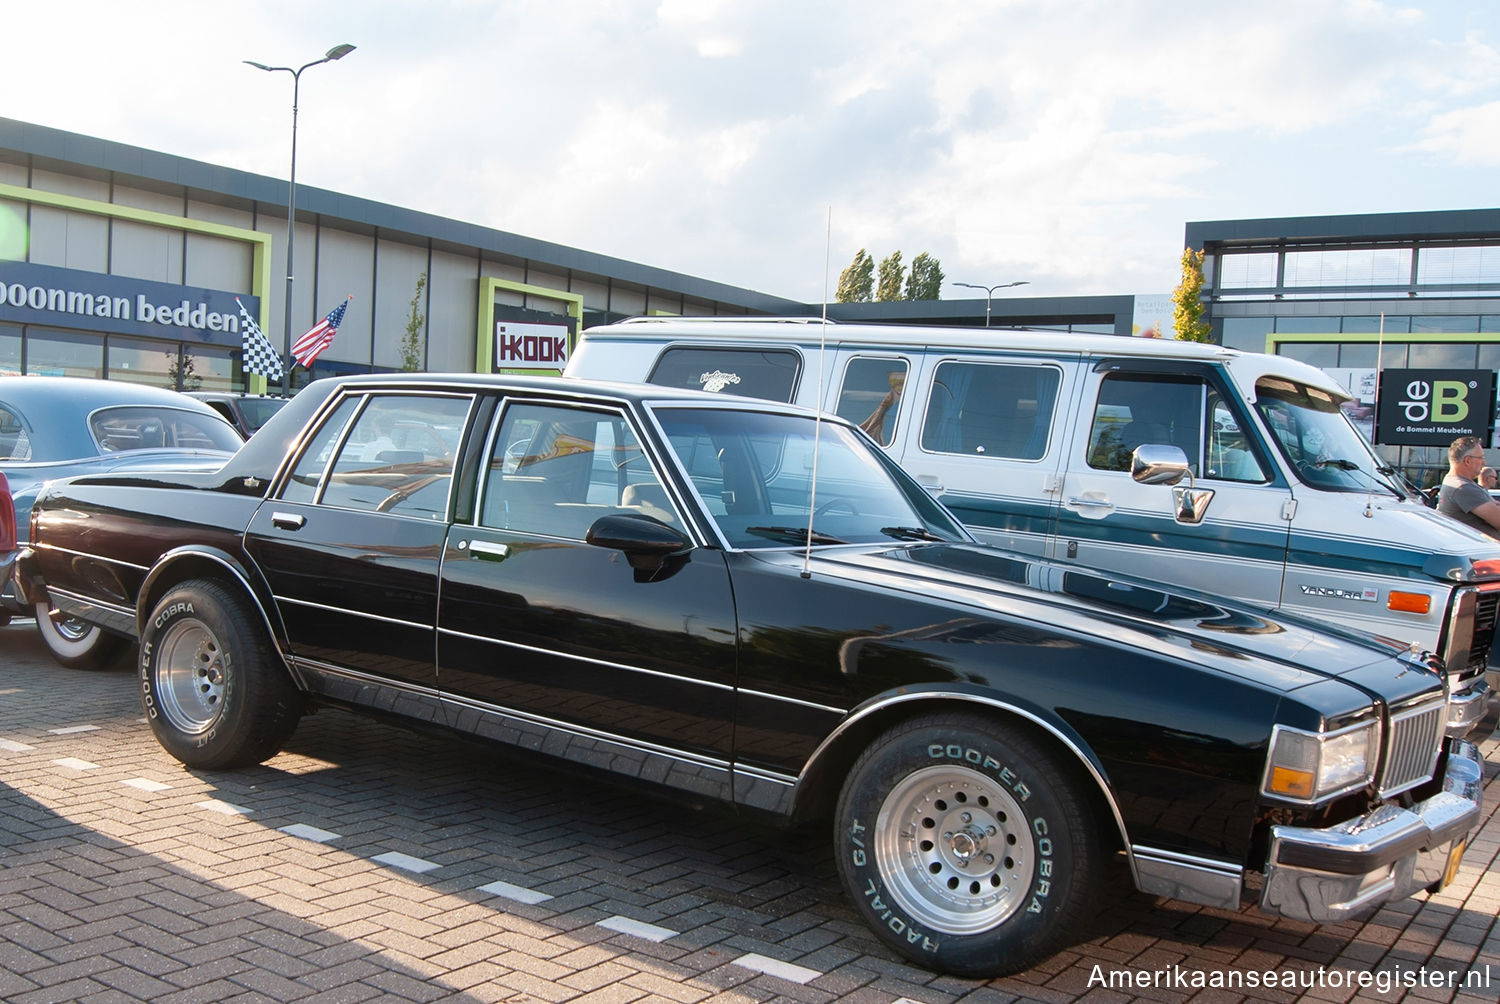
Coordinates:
[260,355]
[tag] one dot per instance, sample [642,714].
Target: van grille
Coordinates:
[1411,752]
[1486,606]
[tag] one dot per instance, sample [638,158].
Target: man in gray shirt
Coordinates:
[1461,497]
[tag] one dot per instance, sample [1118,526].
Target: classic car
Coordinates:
[745,602]
[54,427]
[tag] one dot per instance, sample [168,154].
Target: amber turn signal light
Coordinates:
[1408,603]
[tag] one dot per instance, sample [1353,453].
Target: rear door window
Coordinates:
[871,395]
[769,374]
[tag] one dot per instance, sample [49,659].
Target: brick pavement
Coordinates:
[371,863]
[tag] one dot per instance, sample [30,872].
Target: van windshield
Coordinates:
[1318,441]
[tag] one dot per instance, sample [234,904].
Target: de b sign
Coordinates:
[1435,407]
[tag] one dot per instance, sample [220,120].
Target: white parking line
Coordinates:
[515,892]
[405,862]
[11,746]
[638,928]
[71,729]
[225,808]
[146,784]
[775,967]
[312,833]
[73,763]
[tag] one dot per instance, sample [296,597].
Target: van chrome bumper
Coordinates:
[1474,710]
[1325,876]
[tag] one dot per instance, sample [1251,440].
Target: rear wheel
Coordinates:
[967,849]
[212,685]
[75,643]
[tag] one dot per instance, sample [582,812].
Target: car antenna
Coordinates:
[1375,429]
[812,501]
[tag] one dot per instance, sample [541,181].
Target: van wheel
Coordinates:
[212,685]
[74,643]
[966,848]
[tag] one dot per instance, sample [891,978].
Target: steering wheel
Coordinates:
[840,500]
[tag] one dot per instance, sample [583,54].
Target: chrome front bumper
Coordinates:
[1474,710]
[1327,875]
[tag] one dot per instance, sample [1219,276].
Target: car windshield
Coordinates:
[754,473]
[145,427]
[1318,440]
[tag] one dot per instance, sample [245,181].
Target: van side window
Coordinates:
[871,396]
[1230,457]
[1136,410]
[767,374]
[991,409]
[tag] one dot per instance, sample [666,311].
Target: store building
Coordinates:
[123,263]
[1360,295]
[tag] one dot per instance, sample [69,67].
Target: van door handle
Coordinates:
[1091,503]
[287,520]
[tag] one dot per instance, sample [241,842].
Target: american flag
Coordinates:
[260,355]
[319,336]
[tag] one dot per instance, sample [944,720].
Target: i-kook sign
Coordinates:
[521,345]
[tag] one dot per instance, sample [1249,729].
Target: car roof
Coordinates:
[56,409]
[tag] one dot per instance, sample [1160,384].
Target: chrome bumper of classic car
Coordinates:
[1327,875]
[1475,704]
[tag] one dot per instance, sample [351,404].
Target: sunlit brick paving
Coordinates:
[367,862]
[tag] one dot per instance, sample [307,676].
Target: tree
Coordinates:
[926,279]
[857,282]
[890,278]
[411,344]
[1187,300]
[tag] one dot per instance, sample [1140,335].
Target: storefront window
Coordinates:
[1376,324]
[1247,333]
[1463,325]
[1442,355]
[10,350]
[141,361]
[1324,354]
[50,352]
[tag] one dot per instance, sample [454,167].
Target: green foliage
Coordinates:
[857,282]
[411,344]
[1187,300]
[890,278]
[926,279]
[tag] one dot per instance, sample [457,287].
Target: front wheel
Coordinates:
[966,847]
[74,643]
[212,685]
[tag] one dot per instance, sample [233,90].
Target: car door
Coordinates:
[558,644]
[989,443]
[350,546]
[1234,545]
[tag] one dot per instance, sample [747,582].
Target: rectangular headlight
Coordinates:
[1313,766]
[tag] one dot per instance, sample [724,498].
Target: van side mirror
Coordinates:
[1158,464]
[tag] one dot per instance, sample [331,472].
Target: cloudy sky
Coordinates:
[1060,142]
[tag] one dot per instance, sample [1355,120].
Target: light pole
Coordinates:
[989,291]
[337,52]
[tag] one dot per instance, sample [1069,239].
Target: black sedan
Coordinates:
[749,603]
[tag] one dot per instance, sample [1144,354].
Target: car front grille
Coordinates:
[1486,606]
[1413,745]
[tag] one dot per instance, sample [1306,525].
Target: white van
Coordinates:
[1030,437]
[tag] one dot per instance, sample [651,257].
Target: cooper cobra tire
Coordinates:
[212,686]
[74,643]
[965,847]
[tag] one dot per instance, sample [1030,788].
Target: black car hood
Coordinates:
[1280,651]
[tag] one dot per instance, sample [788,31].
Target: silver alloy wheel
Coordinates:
[189,670]
[954,849]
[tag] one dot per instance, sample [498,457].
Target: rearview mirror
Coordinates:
[1157,464]
[646,542]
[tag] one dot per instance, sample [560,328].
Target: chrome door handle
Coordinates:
[484,549]
[1096,503]
[287,520]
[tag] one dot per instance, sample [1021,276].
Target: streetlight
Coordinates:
[337,52]
[989,291]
